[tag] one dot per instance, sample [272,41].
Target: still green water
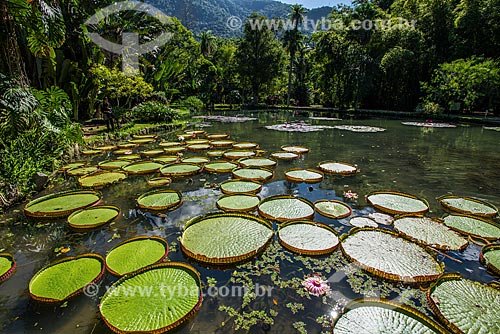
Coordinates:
[423,161]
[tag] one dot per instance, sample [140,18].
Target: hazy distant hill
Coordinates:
[200,15]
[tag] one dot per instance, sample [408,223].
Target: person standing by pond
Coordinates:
[107,110]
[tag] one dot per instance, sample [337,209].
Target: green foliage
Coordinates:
[152,111]
[193,103]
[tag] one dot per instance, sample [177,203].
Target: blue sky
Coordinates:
[315,3]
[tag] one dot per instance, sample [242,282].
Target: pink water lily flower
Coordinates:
[350,195]
[316,286]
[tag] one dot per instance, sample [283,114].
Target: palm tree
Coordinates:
[207,43]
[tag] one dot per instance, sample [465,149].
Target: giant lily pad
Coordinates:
[332,209]
[220,166]
[7,266]
[80,171]
[136,253]
[176,296]
[227,119]
[429,124]
[286,208]
[142,167]
[73,165]
[217,136]
[308,175]
[215,154]
[383,253]
[467,205]
[100,179]
[490,256]
[141,141]
[222,143]
[258,162]
[159,181]
[66,278]
[127,146]
[339,168]
[123,151]
[474,226]
[196,160]
[152,153]
[465,306]
[379,316]
[362,222]
[198,147]
[112,164]
[359,128]
[245,146]
[93,217]
[146,136]
[394,202]
[181,169]
[309,238]
[197,141]
[232,187]
[61,204]
[160,200]
[239,202]
[295,149]
[106,148]
[174,150]
[297,127]
[430,232]
[284,155]
[235,155]
[166,159]
[225,237]
[196,133]
[253,174]
[170,144]
[129,157]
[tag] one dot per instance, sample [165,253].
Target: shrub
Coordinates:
[152,111]
[193,103]
[430,108]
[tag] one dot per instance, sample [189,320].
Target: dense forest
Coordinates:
[53,77]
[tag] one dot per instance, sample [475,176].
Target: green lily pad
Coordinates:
[112,164]
[73,165]
[80,171]
[258,162]
[332,209]
[160,200]
[245,146]
[222,143]
[240,202]
[134,254]
[142,167]
[198,147]
[232,187]
[362,222]
[159,181]
[181,169]
[220,166]
[185,136]
[129,157]
[197,141]
[308,238]
[490,256]
[7,266]
[61,204]
[174,150]
[66,278]
[224,238]
[474,226]
[106,148]
[235,155]
[170,144]
[215,154]
[93,217]
[166,159]
[175,296]
[253,174]
[124,151]
[196,133]
[385,254]
[127,146]
[101,179]
[196,160]
[467,205]
[304,175]
[394,202]
[430,232]
[217,136]
[152,153]
[465,306]
[146,136]
[142,141]
[283,155]
[339,168]
[286,208]
[295,149]
[379,316]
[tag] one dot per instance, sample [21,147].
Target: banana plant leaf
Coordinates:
[473,226]
[220,166]
[142,167]
[253,174]
[217,136]
[490,256]
[134,254]
[174,150]
[93,217]
[467,205]
[80,171]
[61,204]
[160,200]
[196,160]
[308,238]
[159,181]
[430,232]
[66,278]
[238,203]
[283,155]
[380,316]
[129,157]
[339,168]
[224,238]
[284,208]
[101,179]
[232,187]
[181,169]
[295,149]
[308,175]
[152,153]
[166,159]
[362,222]
[332,209]
[465,306]
[258,162]
[175,296]
[106,148]
[73,165]
[112,164]
[170,144]
[385,254]
[198,147]
[245,146]
[235,155]
[7,266]
[222,143]
[394,202]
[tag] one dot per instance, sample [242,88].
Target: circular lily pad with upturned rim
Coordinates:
[199,160]
[380,316]
[284,155]
[159,181]
[258,162]
[61,204]
[222,143]
[217,136]
[224,238]
[160,200]
[152,153]
[147,136]
[473,226]
[363,222]
[75,164]
[142,167]
[66,278]
[386,254]
[166,159]
[467,205]
[295,149]
[7,266]
[232,187]
[253,174]
[127,146]
[198,147]
[80,171]
[101,179]
[196,133]
[235,154]
[332,209]
[142,141]
[308,175]
[465,306]
[176,296]
[106,148]
[197,141]
[112,164]
[185,136]
[181,169]
[284,208]
[215,154]
[129,157]
[170,144]
[136,253]
[338,168]
[245,146]
[174,150]
[123,152]
[93,217]
[308,238]
[238,202]
[220,166]
[490,256]
[397,203]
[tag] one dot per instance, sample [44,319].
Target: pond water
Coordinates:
[427,162]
